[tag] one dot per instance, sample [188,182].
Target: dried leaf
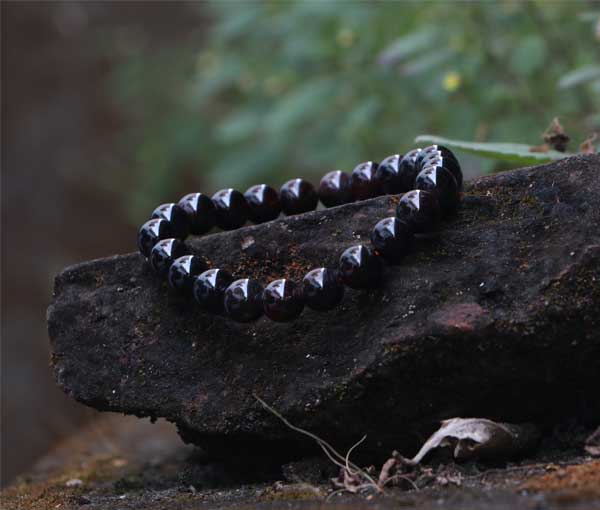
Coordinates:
[480,438]
[555,136]
[587,146]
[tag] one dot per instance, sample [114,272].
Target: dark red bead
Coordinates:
[440,182]
[164,254]
[388,175]
[283,300]
[360,268]
[175,215]
[231,208]
[209,289]
[263,203]
[392,239]
[323,289]
[364,183]
[420,210]
[243,300]
[449,164]
[151,232]
[183,272]
[335,188]
[201,212]
[298,196]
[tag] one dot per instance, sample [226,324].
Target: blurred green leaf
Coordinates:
[513,152]
[406,46]
[579,76]
[529,55]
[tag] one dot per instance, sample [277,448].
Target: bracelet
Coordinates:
[430,180]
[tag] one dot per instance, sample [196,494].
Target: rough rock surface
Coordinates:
[496,316]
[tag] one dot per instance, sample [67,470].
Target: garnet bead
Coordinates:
[364,183]
[360,268]
[335,188]
[201,212]
[151,232]
[388,175]
[392,238]
[298,196]
[243,300]
[420,210]
[183,272]
[283,300]
[209,288]
[231,208]
[323,289]
[441,182]
[449,164]
[175,215]
[263,203]
[164,254]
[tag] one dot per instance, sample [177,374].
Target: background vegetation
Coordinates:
[276,90]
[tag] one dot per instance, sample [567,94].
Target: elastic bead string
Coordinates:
[429,180]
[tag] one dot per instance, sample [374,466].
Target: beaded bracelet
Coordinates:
[430,180]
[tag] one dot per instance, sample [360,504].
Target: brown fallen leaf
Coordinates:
[588,146]
[555,136]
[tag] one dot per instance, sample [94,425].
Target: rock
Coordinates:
[497,316]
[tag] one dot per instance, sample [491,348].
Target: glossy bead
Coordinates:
[335,188]
[420,210]
[201,212]
[409,169]
[392,239]
[151,232]
[448,163]
[323,289]
[263,203]
[364,183]
[243,300]
[360,268]
[164,254]
[175,215]
[298,196]
[388,175]
[209,288]
[231,208]
[283,300]
[183,272]
[439,181]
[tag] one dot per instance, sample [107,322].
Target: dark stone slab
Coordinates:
[497,316]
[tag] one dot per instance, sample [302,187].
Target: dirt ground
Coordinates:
[126,463]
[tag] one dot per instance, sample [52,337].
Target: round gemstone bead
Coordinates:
[263,203]
[392,238]
[323,289]
[201,212]
[420,210]
[164,254]
[439,181]
[209,288]
[409,169]
[151,232]
[364,183]
[283,300]
[360,268]
[449,164]
[175,215]
[231,208]
[298,196]
[335,188]
[183,272]
[243,300]
[388,175]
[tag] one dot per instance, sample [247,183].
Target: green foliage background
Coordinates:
[263,92]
